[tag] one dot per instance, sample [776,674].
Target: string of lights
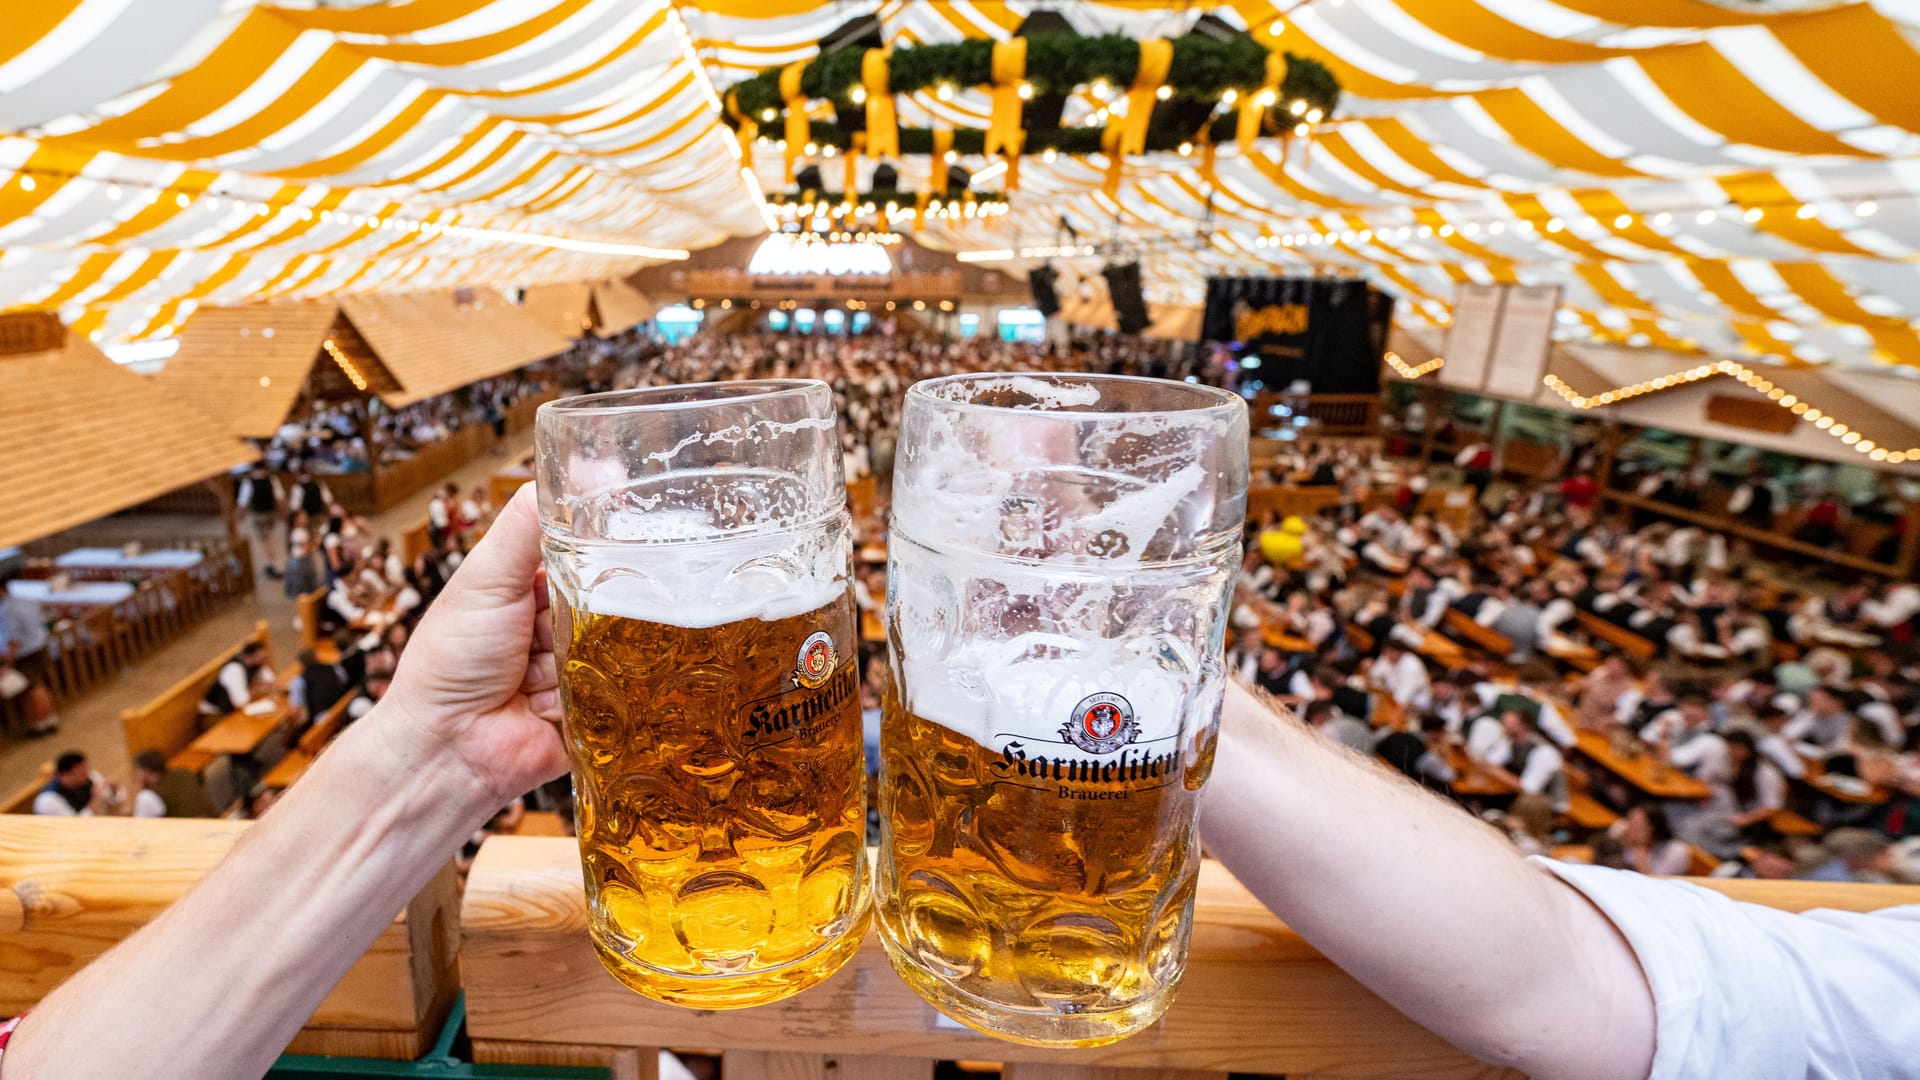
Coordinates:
[347,366]
[1754,380]
[184,198]
[1749,213]
[1409,371]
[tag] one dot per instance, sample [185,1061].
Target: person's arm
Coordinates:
[1425,906]
[1554,725]
[468,725]
[233,678]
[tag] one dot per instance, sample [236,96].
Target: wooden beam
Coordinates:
[1256,997]
[1908,559]
[72,888]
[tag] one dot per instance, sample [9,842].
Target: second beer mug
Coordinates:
[697,551]
[1062,555]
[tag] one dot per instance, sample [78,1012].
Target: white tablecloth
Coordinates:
[83,592]
[115,559]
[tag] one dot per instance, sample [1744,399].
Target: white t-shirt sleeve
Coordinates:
[1542,766]
[149,804]
[48,804]
[239,688]
[1748,991]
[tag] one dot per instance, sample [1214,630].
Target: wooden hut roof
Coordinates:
[620,307]
[566,308]
[245,366]
[82,437]
[435,342]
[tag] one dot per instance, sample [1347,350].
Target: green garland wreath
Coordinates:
[1202,70]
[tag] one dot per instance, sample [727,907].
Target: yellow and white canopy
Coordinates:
[1739,177]
[158,155]
[1733,176]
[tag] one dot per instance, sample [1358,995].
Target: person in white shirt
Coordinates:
[1511,749]
[1542,968]
[1686,733]
[233,687]
[1823,727]
[1401,675]
[74,790]
[149,768]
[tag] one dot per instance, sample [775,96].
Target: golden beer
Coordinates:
[1061,559]
[1036,892]
[719,781]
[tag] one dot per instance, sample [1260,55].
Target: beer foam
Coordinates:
[693,580]
[1028,687]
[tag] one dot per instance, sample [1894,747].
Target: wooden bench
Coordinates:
[88,883]
[1587,812]
[1485,638]
[1583,810]
[415,540]
[1619,637]
[1360,639]
[309,607]
[299,759]
[1788,823]
[172,720]
[1255,998]
[21,801]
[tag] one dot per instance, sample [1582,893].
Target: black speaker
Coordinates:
[1040,280]
[1129,303]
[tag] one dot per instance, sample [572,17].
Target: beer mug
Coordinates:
[697,549]
[1062,556]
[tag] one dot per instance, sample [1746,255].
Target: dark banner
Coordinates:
[1328,334]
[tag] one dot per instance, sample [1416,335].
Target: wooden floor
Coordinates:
[91,723]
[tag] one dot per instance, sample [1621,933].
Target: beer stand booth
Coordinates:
[254,368]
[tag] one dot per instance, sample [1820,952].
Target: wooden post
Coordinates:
[1905,562]
[1436,397]
[1610,440]
[1494,437]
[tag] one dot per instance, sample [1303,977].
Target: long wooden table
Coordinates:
[241,733]
[1644,771]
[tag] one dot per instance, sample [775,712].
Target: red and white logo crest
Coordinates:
[1101,724]
[816,661]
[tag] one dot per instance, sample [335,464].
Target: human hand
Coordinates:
[478,683]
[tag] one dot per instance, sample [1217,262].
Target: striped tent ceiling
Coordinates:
[1736,177]
[159,155]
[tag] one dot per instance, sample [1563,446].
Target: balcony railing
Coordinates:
[1256,998]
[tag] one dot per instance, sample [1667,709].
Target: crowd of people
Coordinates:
[1755,680]
[1751,679]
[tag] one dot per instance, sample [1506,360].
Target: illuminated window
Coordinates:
[787,254]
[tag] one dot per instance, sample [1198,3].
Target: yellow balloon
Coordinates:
[1280,548]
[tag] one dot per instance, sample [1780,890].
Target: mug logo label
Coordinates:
[816,661]
[1101,724]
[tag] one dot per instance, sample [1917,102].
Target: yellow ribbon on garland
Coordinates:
[1014,151]
[1009,71]
[1254,106]
[852,174]
[1156,59]
[942,144]
[920,212]
[748,131]
[798,128]
[1116,161]
[883,122]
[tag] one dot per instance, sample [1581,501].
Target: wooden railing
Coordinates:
[1255,998]
[1846,552]
[1326,414]
[90,643]
[71,888]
